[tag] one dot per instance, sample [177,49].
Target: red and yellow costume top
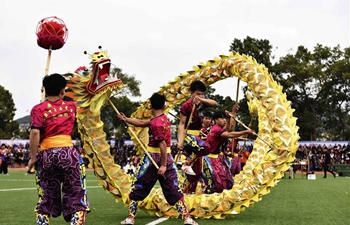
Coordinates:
[55,120]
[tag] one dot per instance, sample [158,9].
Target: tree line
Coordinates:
[316,81]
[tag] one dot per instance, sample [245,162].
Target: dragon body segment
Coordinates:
[265,165]
[90,88]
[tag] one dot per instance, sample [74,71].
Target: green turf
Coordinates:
[298,201]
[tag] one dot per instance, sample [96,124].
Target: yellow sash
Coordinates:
[56,142]
[193,132]
[214,156]
[157,149]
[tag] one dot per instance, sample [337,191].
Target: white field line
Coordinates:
[158,221]
[29,180]
[25,189]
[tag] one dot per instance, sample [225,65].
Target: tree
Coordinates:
[317,84]
[112,125]
[8,127]
[224,103]
[261,51]
[133,85]
[24,127]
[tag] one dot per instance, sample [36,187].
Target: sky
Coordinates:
[156,40]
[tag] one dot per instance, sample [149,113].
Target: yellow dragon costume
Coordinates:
[91,88]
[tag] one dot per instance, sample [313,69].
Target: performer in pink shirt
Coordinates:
[59,165]
[147,174]
[190,141]
[216,174]
[191,181]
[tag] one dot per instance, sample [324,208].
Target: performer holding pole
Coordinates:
[188,139]
[120,116]
[52,131]
[148,174]
[178,155]
[217,175]
[61,168]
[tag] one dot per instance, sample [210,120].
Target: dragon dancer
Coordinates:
[59,165]
[216,173]
[190,183]
[148,174]
[191,119]
[230,154]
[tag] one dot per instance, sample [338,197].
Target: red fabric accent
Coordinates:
[81,68]
[52,33]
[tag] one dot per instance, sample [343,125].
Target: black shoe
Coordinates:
[324,177]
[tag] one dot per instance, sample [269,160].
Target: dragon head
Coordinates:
[90,87]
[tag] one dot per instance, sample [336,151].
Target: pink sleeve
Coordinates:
[36,118]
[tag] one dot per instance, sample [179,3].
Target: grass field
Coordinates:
[298,201]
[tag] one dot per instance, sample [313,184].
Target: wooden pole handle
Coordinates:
[234,125]
[246,127]
[48,60]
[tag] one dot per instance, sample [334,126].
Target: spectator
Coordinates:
[130,168]
[4,163]
[327,164]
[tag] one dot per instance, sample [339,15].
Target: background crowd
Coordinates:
[124,154]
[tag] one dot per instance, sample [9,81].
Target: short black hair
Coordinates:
[219,114]
[207,114]
[54,84]
[157,101]
[197,85]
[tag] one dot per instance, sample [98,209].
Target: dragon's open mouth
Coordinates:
[101,77]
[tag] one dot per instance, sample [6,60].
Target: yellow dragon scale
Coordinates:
[264,168]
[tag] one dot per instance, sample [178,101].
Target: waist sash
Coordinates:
[57,141]
[193,132]
[157,149]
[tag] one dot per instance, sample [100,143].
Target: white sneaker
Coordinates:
[188,170]
[128,221]
[190,221]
